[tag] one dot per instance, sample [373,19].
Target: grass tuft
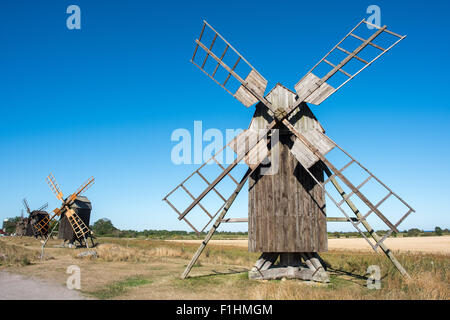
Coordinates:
[119,288]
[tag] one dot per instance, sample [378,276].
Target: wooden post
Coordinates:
[48,238]
[366,225]
[216,224]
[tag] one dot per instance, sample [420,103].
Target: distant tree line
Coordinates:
[414,232]
[105,228]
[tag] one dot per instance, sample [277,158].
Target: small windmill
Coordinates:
[34,217]
[69,214]
[287,217]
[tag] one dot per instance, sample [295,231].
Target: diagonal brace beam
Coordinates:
[216,224]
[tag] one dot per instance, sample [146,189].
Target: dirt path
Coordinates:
[412,244]
[18,287]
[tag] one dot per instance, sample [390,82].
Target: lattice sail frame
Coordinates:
[250,147]
[25,204]
[312,144]
[315,90]
[253,84]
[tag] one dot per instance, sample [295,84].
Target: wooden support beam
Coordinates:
[193,198]
[210,48]
[199,38]
[355,56]
[371,43]
[339,219]
[235,220]
[340,70]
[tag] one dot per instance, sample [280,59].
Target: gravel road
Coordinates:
[18,287]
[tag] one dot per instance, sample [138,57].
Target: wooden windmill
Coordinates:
[74,214]
[287,218]
[34,217]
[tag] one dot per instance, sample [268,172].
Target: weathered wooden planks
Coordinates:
[255,82]
[286,209]
[306,157]
[241,143]
[309,84]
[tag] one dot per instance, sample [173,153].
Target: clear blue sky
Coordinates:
[104,100]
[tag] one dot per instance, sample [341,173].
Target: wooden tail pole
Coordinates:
[216,225]
[48,238]
[366,225]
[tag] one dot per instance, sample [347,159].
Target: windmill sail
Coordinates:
[43,207]
[251,85]
[27,207]
[315,90]
[250,147]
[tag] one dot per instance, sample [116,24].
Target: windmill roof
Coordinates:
[280,85]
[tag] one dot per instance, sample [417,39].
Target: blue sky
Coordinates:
[104,100]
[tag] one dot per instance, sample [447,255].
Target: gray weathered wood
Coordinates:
[286,207]
[266,260]
[254,81]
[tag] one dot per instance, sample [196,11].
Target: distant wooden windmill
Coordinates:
[34,217]
[74,215]
[286,215]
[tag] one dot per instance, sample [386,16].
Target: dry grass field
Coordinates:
[145,269]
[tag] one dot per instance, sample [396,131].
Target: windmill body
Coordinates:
[82,207]
[27,226]
[73,226]
[286,208]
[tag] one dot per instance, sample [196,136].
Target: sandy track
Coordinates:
[18,287]
[411,244]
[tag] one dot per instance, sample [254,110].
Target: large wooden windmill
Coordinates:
[290,170]
[34,217]
[74,214]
